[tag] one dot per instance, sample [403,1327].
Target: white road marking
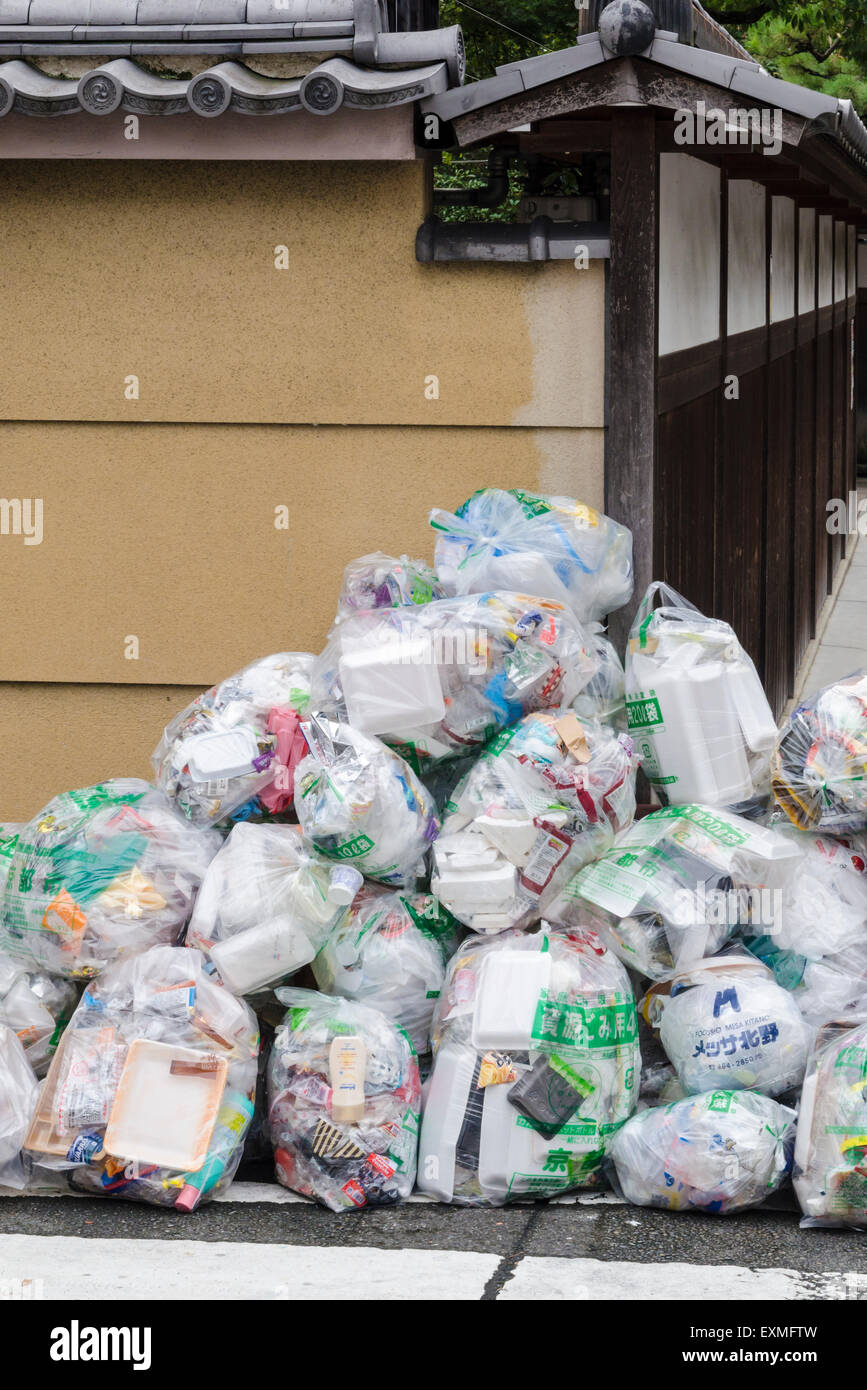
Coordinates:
[74,1268]
[538,1277]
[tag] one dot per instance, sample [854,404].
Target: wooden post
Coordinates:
[630,452]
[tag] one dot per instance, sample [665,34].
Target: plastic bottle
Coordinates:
[234,1115]
[347,1061]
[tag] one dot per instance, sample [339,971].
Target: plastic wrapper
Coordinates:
[439,680]
[344,1097]
[551,546]
[819,766]
[151,1089]
[18,1092]
[604,697]
[718,1152]
[830,1174]
[548,795]
[238,741]
[101,873]
[37,1007]
[536,1064]
[361,804]
[391,952]
[383,581]
[695,705]
[678,884]
[266,905]
[726,1023]
[819,947]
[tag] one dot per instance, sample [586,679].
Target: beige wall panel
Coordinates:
[55,737]
[166,533]
[166,272]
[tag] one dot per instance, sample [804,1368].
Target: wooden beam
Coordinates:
[630,446]
[567,137]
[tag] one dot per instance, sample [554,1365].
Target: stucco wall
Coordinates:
[258,389]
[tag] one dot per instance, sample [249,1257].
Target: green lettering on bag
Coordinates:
[643,713]
[352,849]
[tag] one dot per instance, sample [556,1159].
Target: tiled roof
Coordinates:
[356,60]
[122,83]
[827,116]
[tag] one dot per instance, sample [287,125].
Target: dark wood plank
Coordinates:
[630,483]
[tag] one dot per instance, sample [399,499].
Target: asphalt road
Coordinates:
[566,1249]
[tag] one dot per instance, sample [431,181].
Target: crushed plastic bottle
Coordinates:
[344,1098]
[439,680]
[718,1152]
[151,1089]
[361,804]
[552,546]
[267,905]
[536,1063]
[237,741]
[548,795]
[391,952]
[101,873]
[695,705]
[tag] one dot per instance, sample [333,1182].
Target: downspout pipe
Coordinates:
[487,195]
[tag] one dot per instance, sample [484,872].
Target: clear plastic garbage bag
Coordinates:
[344,1097]
[830,1173]
[551,546]
[718,1152]
[819,947]
[99,874]
[18,1092]
[604,697]
[439,680]
[536,1064]
[267,905]
[151,1089]
[727,1023]
[390,952]
[547,795]
[37,1007]
[361,804]
[819,766]
[238,741]
[695,705]
[384,581]
[676,885]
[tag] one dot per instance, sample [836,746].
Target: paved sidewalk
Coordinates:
[843,647]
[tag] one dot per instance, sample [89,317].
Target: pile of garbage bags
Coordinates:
[421,866]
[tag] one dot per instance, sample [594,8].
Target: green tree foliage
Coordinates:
[821,44]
